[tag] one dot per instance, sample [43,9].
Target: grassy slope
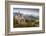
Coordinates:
[30,23]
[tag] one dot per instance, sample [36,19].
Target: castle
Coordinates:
[20,19]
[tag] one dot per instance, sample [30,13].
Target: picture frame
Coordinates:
[27,6]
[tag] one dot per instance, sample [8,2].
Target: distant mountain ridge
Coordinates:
[29,17]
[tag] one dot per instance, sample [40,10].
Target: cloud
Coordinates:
[33,12]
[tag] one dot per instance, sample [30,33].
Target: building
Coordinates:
[19,17]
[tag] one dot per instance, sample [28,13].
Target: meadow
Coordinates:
[29,23]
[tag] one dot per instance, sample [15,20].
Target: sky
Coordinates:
[27,11]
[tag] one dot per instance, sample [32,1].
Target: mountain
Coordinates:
[28,17]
